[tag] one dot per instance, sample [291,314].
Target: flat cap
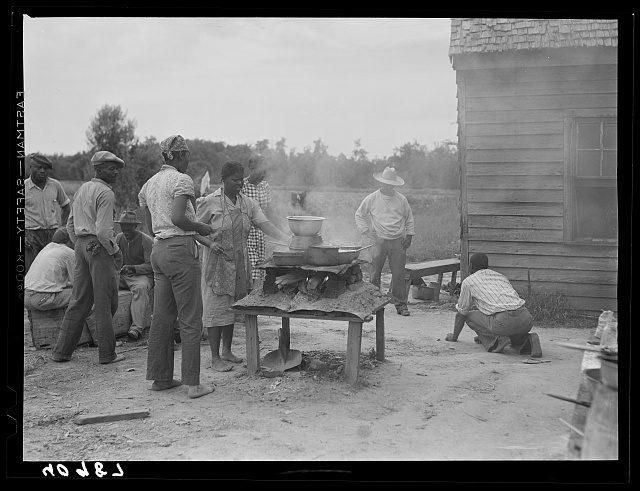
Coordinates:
[41,159]
[103,156]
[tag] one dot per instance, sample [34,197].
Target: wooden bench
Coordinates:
[413,271]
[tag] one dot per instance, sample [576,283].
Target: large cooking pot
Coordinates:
[330,255]
[305,225]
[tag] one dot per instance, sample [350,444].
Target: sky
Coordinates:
[384,81]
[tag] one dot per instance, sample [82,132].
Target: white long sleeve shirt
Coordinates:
[389,217]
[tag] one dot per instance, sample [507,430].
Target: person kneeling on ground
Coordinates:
[494,310]
[48,283]
[136,273]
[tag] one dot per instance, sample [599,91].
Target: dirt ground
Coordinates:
[429,400]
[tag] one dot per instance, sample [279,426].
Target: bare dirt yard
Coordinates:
[429,400]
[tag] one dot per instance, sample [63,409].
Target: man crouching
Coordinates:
[494,310]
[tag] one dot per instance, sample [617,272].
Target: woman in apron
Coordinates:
[226,268]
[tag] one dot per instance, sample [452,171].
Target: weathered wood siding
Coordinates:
[511,136]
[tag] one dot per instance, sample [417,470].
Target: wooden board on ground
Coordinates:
[107,418]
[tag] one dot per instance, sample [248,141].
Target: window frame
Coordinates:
[570,177]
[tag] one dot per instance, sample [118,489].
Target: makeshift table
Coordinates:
[278,305]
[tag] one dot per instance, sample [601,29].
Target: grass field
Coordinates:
[435,212]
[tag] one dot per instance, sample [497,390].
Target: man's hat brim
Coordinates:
[398,182]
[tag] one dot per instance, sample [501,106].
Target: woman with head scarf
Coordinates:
[226,269]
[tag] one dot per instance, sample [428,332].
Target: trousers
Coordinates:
[140,287]
[177,294]
[94,284]
[397,255]
[497,330]
[47,300]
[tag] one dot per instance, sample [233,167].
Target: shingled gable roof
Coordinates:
[493,35]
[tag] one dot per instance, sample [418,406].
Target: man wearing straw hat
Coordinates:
[385,218]
[136,273]
[98,258]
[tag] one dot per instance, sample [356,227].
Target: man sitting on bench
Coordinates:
[48,283]
[136,273]
[494,310]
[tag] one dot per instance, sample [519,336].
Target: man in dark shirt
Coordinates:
[136,273]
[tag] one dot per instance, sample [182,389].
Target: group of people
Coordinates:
[201,257]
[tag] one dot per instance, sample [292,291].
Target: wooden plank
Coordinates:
[515,195]
[559,275]
[535,248]
[536,102]
[252,343]
[548,87]
[110,417]
[515,182]
[546,57]
[380,335]
[538,141]
[515,169]
[516,209]
[568,211]
[515,234]
[554,262]
[547,74]
[573,289]
[286,331]
[504,221]
[462,156]
[592,304]
[498,129]
[436,266]
[515,155]
[325,316]
[538,115]
[354,338]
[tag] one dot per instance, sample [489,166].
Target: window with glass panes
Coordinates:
[593,169]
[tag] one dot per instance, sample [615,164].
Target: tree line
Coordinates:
[313,167]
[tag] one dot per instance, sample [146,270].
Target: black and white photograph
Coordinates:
[319,238]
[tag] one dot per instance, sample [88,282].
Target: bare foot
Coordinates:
[229,356]
[165,384]
[220,366]
[199,391]
[115,360]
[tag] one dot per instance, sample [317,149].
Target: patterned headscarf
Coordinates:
[175,143]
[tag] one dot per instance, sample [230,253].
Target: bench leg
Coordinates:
[252,343]
[436,294]
[354,338]
[380,334]
[454,275]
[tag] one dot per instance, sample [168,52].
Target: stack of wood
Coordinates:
[314,284]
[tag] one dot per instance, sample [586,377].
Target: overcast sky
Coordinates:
[240,80]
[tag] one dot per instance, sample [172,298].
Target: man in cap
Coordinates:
[98,258]
[43,197]
[48,283]
[136,273]
[385,218]
[493,309]
[168,203]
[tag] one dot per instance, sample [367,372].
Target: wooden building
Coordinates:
[537,135]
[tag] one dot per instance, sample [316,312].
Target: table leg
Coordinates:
[380,334]
[253,343]
[354,338]
[454,275]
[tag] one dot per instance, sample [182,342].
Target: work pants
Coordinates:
[176,294]
[94,284]
[498,330]
[140,287]
[47,300]
[34,242]
[397,255]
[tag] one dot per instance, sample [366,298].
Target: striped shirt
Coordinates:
[490,291]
